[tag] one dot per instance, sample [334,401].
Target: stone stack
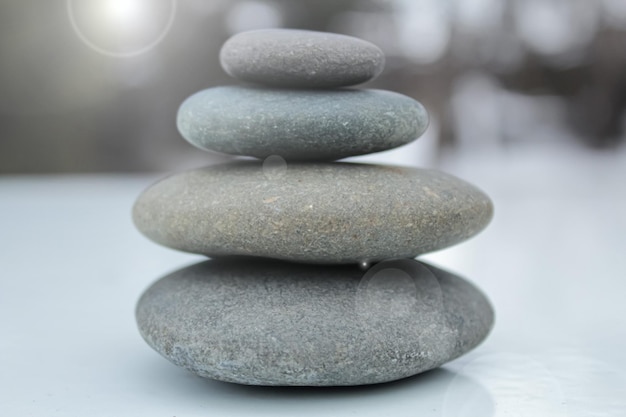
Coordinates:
[290,296]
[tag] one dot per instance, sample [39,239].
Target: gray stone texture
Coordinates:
[301,58]
[300,124]
[329,213]
[274,323]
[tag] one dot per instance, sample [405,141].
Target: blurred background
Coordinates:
[94,85]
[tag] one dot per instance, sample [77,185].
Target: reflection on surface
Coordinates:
[424,394]
[589,384]
[520,385]
[559,382]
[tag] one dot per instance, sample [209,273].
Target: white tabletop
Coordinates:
[553,263]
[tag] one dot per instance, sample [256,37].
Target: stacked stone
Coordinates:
[290,296]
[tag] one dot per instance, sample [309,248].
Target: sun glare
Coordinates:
[123,12]
[121,28]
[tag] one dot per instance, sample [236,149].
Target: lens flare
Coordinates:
[123,12]
[121,28]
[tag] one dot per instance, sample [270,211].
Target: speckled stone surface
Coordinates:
[311,212]
[300,124]
[300,58]
[272,323]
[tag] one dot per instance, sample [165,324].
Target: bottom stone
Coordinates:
[261,322]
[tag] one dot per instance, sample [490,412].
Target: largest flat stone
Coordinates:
[300,124]
[314,213]
[272,323]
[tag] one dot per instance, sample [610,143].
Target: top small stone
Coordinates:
[301,58]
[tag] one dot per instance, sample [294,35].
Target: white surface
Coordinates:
[552,262]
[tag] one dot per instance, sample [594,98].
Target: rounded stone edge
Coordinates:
[225,59]
[187,126]
[457,287]
[147,223]
[461,288]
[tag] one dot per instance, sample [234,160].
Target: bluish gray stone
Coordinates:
[300,124]
[301,58]
[273,323]
[311,212]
